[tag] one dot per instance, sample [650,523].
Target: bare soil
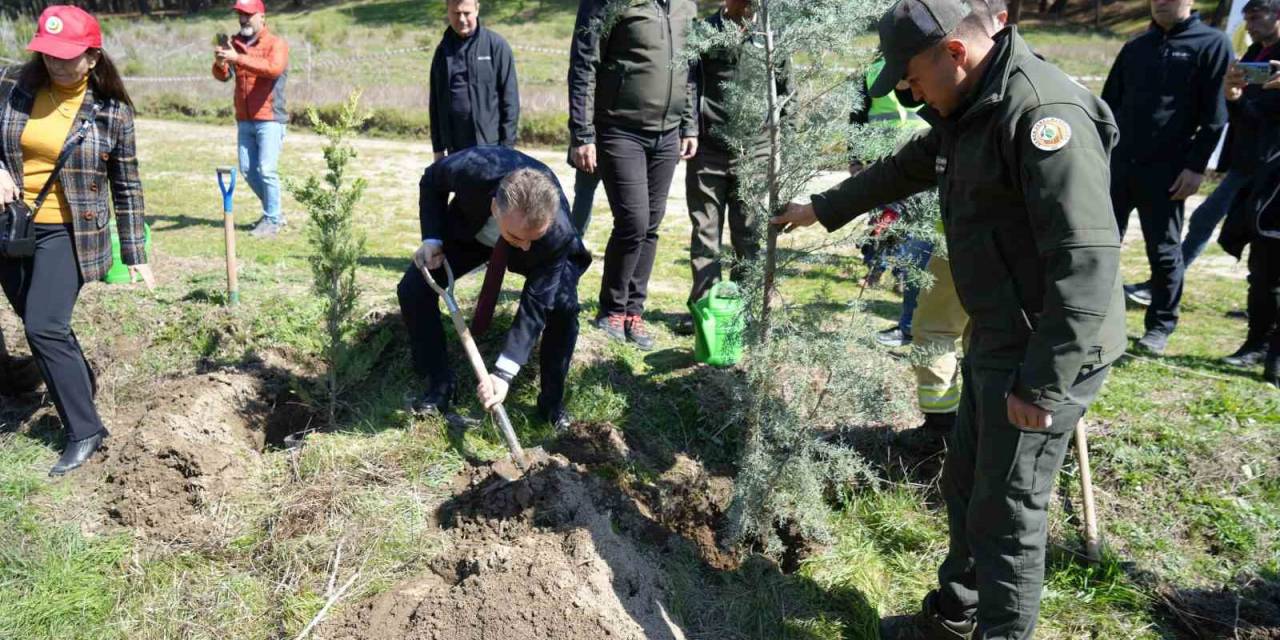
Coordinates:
[537,558]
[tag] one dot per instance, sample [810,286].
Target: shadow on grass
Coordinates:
[1249,607]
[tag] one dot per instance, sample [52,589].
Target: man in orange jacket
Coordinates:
[259,62]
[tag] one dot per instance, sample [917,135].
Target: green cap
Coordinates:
[908,28]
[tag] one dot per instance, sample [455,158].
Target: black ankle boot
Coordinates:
[77,453]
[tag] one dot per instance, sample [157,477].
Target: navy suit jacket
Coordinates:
[471,176]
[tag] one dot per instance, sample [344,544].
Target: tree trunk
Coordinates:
[771,246]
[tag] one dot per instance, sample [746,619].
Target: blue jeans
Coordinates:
[916,253]
[1209,214]
[260,143]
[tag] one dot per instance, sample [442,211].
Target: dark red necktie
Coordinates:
[492,286]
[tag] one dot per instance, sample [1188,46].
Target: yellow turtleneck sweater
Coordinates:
[52,115]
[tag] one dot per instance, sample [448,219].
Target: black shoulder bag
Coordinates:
[17,221]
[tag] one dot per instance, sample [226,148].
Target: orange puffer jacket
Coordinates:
[260,74]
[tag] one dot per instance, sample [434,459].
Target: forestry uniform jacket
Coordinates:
[1022,175]
[105,160]
[625,68]
[472,176]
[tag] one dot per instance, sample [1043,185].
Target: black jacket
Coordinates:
[1258,207]
[495,97]
[472,176]
[1254,132]
[1165,90]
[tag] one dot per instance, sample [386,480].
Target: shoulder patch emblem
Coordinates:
[1050,134]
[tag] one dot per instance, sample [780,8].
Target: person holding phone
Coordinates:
[68,99]
[1254,135]
[259,62]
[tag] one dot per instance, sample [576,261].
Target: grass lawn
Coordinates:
[1183,448]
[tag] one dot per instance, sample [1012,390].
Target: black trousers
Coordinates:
[711,185]
[584,195]
[43,291]
[636,168]
[420,308]
[996,481]
[1264,294]
[1146,188]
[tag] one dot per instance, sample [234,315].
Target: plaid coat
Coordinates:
[105,159]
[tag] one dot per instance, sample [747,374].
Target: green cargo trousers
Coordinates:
[712,190]
[996,482]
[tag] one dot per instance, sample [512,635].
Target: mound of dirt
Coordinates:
[535,559]
[197,441]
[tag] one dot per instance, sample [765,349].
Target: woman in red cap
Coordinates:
[68,101]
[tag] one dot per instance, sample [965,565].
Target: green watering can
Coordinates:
[119,273]
[717,325]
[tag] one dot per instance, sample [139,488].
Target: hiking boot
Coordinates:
[1139,294]
[893,337]
[1154,343]
[940,422]
[266,229]
[638,333]
[77,453]
[434,402]
[613,325]
[1248,355]
[684,326]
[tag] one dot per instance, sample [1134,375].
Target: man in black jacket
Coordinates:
[1165,89]
[473,96]
[507,208]
[1248,142]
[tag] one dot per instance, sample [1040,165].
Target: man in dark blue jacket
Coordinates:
[507,209]
[474,98]
[1165,89]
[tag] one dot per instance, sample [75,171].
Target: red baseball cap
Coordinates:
[250,7]
[65,32]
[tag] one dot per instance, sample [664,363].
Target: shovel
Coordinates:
[227,185]
[498,413]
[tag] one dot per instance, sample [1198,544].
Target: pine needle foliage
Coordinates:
[811,373]
[339,245]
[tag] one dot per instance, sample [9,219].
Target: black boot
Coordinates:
[1271,369]
[435,401]
[559,419]
[1250,354]
[77,453]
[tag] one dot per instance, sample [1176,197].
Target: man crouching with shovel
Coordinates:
[508,210]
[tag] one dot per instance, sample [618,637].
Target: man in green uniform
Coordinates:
[1020,156]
